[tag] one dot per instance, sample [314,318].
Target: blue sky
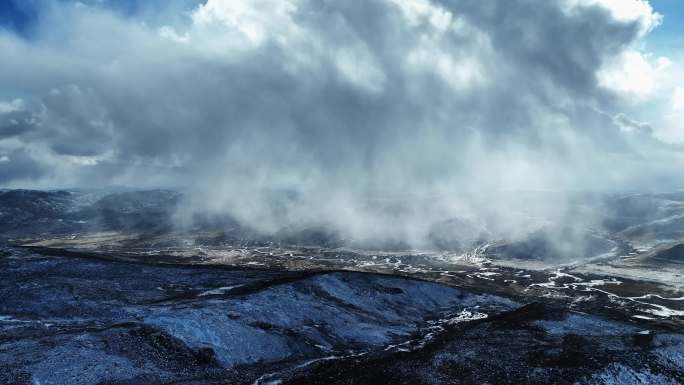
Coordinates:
[17,15]
[669,37]
[20,15]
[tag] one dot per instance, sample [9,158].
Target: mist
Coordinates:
[383,121]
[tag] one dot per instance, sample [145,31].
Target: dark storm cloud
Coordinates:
[19,165]
[76,123]
[16,123]
[339,101]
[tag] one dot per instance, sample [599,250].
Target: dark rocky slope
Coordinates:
[71,320]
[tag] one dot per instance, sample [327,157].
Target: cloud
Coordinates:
[15,119]
[671,128]
[12,106]
[443,102]
[19,165]
[634,75]
[634,11]
[629,125]
[678,99]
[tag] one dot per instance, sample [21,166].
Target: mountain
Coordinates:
[32,213]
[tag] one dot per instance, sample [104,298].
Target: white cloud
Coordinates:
[670,127]
[251,22]
[358,65]
[678,99]
[171,34]
[639,11]
[418,12]
[461,73]
[12,106]
[634,74]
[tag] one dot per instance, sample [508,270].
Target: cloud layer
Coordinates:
[348,105]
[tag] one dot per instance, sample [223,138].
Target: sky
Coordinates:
[342,102]
[668,39]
